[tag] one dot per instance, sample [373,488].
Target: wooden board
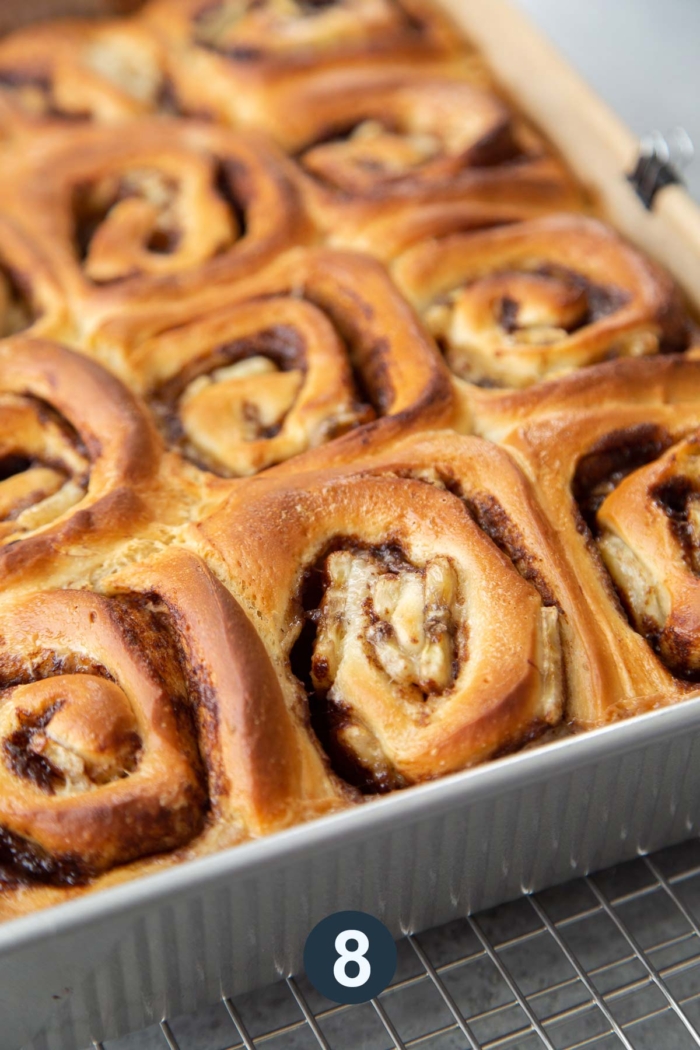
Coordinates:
[597,145]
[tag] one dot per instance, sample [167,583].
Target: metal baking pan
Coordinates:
[119,960]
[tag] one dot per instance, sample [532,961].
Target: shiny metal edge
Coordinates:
[438,796]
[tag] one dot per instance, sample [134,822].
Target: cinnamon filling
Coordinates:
[379,149]
[84,738]
[610,460]
[148,190]
[142,220]
[648,534]
[679,498]
[35,96]
[372,606]
[23,862]
[241,393]
[490,318]
[44,468]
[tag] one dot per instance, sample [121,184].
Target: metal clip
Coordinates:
[661,161]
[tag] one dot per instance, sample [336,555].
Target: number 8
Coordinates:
[357,956]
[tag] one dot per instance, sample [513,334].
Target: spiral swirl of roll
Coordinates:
[144,214]
[132,720]
[613,463]
[79,459]
[415,603]
[232,59]
[518,304]
[88,728]
[376,148]
[315,346]
[57,74]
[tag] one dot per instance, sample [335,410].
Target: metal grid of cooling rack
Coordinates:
[607,961]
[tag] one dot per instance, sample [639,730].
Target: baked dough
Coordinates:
[342,444]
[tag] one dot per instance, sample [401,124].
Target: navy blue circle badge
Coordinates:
[350,957]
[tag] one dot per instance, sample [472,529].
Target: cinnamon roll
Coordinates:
[230,58]
[315,346]
[134,721]
[515,305]
[59,72]
[145,214]
[79,462]
[412,603]
[376,148]
[614,473]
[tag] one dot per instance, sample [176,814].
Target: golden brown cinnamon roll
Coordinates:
[613,465]
[414,602]
[518,304]
[376,148]
[60,72]
[137,721]
[316,345]
[229,58]
[144,214]
[79,461]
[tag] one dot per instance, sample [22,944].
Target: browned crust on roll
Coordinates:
[59,74]
[219,756]
[515,305]
[213,60]
[378,150]
[424,498]
[122,453]
[396,373]
[215,206]
[584,442]
[31,301]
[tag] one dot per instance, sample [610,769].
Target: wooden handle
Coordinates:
[597,145]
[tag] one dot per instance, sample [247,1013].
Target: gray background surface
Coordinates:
[642,56]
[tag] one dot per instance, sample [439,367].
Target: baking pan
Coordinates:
[119,960]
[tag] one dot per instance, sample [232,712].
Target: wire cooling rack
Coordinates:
[612,960]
